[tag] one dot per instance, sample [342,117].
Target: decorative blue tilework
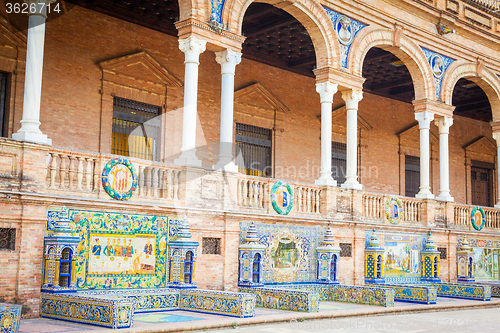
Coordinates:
[10,316]
[217,7]
[346,29]
[439,64]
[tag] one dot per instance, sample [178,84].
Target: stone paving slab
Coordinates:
[181,321]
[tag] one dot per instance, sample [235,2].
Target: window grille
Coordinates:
[211,245]
[345,250]
[412,175]
[136,132]
[253,150]
[7,239]
[339,162]
[3,104]
[442,253]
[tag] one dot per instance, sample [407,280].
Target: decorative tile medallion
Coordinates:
[477,218]
[217,7]
[119,178]
[439,64]
[346,29]
[393,210]
[282,198]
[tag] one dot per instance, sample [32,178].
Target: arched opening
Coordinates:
[436,268]
[333,268]
[65,268]
[256,268]
[379,267]
[188,268]
[469,270]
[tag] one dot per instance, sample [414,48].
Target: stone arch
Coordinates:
[485,79]
[407,51]
[308,12]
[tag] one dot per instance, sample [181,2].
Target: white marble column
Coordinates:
[326,91]
[228,60]
[30,124]
[496,136]
[444,124]
[192,48]
[352,98]
[424,123]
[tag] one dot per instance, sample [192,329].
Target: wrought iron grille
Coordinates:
[412,175]
[481,186]
[339,162]
[7,239]
[253,150]
[345,250]
[210,245]
[136,130]
[442,253]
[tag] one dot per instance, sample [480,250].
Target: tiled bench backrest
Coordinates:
[10,316]
[414,293]
[218,302]
[369,295]
[285,298]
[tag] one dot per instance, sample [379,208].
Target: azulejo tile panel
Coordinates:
[415,294]
[285,299]
[10,316]
[218,302]
[468,291]
[322,289]
[95,310]
[372,295]
[118,251]
[290,251]
[155,302]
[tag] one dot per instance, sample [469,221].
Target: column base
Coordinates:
[188,158]
[352,185]
[445,197]
[326,181]
[224,166]
[424,195]
[32,137]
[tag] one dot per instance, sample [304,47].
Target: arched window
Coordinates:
[470,267]
[379,267]
[333,268]
[65,268]
[188,268]
[436,267]
[256,268]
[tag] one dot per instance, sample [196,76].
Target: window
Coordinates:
[345,250]
[253,150]
[481,184]
[135,131]
[188,268]
[3,104]
[211,245]
[442,253]
[7,239]
[339,162]
[65,268]
[412,175]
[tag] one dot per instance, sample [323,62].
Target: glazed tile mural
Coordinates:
[118,250]
[290,251]
[486,258]
[10,317]
[402,255]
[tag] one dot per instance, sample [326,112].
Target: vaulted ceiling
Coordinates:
[276,38]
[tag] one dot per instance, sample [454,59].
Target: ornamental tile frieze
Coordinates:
[439,64]
[346,29]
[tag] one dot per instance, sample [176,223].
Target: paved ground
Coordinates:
[349,318]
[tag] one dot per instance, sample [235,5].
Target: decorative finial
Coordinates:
[252,236]
[184,229]
[464,246]
[429,245]
[374,242]
[329,240]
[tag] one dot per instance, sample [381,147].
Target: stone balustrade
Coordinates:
[31,168]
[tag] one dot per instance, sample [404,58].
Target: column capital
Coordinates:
[352,98]
[326,90]
[424,119]
[192,48]
[228,60]
[496,136]
[443,123]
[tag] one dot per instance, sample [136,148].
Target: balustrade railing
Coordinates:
[463,214]
[252,193]
[374,207]
[307,199]
[80,172]
[489,4]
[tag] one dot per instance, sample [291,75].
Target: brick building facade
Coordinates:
[94,58]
